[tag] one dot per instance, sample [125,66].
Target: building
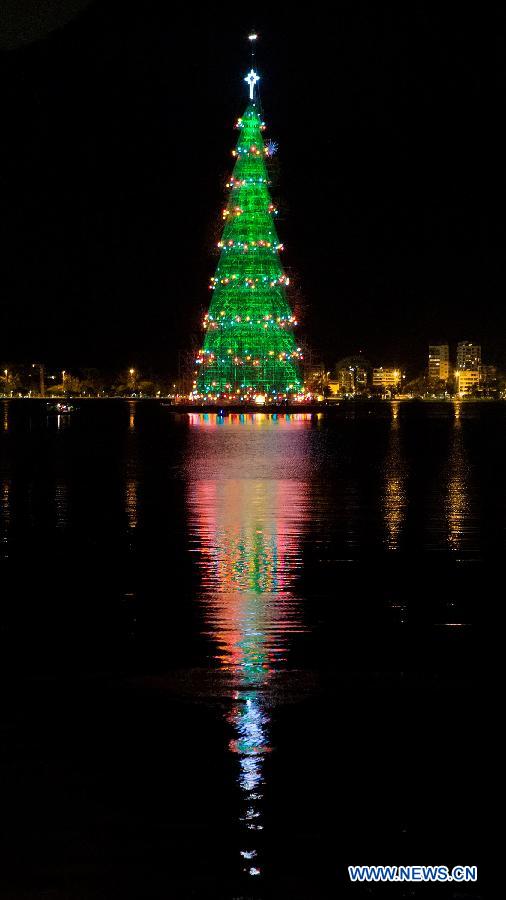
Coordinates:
[439,362]
[352,379]
[468,356]
[489,376]
[467,381]
[340,384]
[346,379]
[386,379]
[350,376]
[314,378]
[490,380]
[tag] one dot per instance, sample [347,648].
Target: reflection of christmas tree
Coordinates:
[250,558]
[249,347]
[247,524]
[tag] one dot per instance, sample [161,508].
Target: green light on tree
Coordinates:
[249,347]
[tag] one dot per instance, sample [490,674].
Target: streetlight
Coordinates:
[131,378]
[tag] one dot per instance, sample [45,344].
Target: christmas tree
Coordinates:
[249,347]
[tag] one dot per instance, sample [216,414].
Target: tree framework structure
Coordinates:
[249,349]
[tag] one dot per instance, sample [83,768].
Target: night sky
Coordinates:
[117,130]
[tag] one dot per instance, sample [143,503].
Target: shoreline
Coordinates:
[271,409]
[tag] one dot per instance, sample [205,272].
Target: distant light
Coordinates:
[252,36]
[260,399]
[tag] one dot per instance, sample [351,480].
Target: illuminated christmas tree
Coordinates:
[249,347]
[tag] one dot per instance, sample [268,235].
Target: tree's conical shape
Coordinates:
[249,347]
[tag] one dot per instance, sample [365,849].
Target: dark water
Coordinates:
[241,654]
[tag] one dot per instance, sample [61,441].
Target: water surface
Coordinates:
[243,652]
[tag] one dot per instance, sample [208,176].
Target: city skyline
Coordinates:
[185,369]
[445,375]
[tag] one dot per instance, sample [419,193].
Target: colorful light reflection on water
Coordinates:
[247,519]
